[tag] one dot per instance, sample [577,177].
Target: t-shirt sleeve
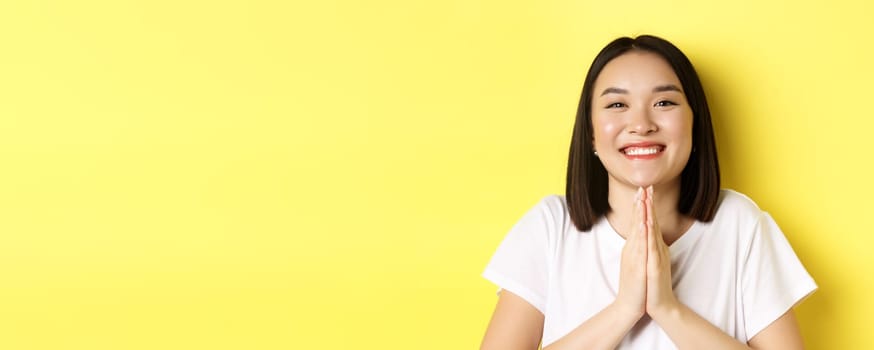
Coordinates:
[774,279]
[520,264]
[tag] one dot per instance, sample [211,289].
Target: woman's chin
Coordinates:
[642,182]
[651,178]
[645,182]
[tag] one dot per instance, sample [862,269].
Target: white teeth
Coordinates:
[637,151]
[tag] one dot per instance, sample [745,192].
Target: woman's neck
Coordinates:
[665,199]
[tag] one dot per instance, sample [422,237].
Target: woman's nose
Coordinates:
[641,123]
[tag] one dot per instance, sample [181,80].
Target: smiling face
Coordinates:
[641,121]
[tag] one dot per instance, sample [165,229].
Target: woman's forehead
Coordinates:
[636,70]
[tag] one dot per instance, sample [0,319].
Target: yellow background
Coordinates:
[336,174]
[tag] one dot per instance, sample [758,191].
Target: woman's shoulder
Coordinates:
[734,199]
[734,205]
[555,203]
[552,210]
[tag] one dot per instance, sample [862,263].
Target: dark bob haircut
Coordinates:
[586,190]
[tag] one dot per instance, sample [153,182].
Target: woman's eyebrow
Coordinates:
[614,90]
[667,87]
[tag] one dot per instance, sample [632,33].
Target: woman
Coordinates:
[645,251]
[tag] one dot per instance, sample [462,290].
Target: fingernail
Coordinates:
[639,193]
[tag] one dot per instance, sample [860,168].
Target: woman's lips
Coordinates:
[643,152]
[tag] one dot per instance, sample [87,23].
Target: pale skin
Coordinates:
[643,196]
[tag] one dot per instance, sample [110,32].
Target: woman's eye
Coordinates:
[616,105]
[665,103]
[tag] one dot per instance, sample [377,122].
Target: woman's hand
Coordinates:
[632,295]
[660,296]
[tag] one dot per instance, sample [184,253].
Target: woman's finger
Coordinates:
[650,217]
[655,225]
[637,215]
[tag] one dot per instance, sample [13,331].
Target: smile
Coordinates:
[643,152]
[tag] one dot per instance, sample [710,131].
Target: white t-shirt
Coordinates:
[738,271]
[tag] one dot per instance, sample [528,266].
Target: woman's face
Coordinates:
[642,123]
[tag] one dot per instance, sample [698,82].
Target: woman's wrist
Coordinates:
[666,311]
[625,313]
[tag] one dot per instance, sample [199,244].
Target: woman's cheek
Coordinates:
[606,127]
